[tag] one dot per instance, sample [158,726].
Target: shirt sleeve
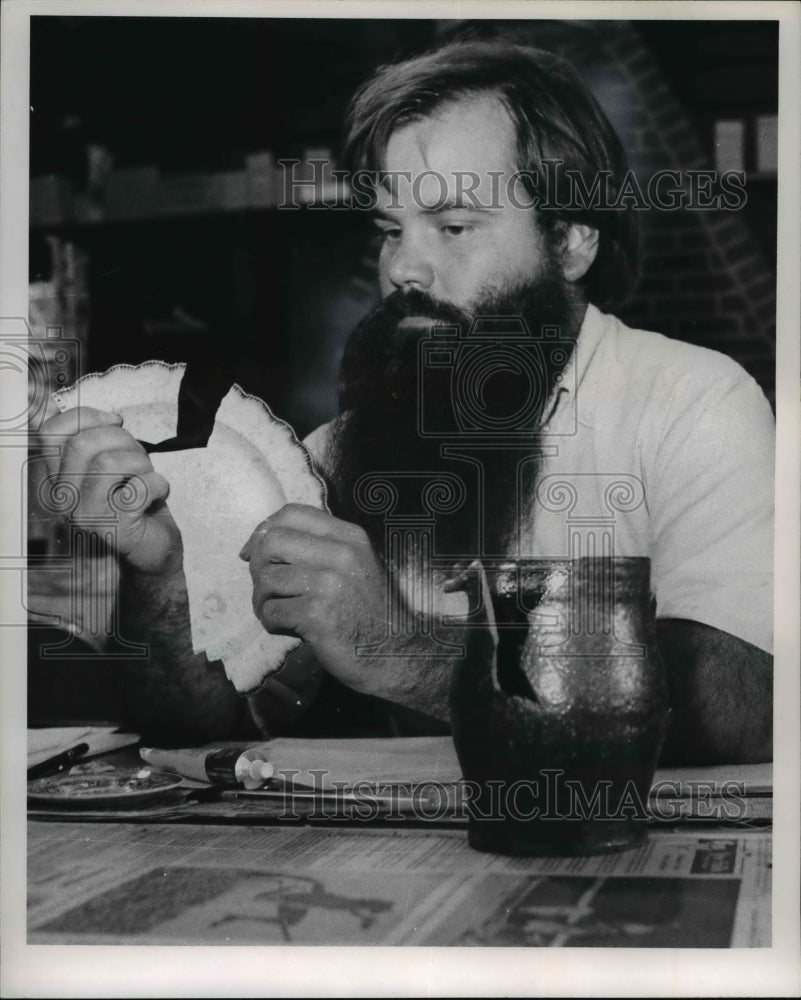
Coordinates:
[712,505]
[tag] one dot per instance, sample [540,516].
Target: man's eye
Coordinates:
[388,233]
[456,229]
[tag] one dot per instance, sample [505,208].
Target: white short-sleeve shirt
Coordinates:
[654,447]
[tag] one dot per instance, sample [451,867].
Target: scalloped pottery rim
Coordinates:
[252,465]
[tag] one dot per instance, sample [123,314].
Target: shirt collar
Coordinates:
[593,327]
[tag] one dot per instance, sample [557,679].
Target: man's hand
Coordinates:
[114,477]
[172,694]
[317,577]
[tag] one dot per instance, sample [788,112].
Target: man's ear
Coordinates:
[579,249]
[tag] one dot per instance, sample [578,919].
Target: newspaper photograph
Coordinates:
[99,884]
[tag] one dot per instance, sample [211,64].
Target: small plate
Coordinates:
[121,788]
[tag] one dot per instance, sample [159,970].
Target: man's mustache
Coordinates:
[380,345]
[415,302]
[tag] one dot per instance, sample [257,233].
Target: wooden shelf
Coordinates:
[145,194]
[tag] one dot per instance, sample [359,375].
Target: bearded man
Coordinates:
[478,269]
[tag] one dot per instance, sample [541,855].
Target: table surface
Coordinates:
[250,872]
[193,883]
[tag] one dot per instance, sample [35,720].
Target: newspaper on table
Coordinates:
[133,884]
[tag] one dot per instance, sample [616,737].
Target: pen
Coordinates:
[60,762]
[385,798]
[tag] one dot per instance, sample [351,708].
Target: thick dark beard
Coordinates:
[382,383]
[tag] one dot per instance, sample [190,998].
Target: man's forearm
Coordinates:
[720,688]
[172,694]
[415,671]
[721,695]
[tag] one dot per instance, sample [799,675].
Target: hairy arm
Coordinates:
[721,695]
[414,673]
[317,577]
[720,690]
[172,694]
[178,696]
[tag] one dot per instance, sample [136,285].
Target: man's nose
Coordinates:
[410,266]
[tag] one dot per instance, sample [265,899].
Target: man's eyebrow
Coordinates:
[450,205]
[458,205]
[379,213]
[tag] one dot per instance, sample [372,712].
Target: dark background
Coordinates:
[267,297]
[277,292]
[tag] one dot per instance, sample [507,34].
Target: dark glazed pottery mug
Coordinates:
[559,707]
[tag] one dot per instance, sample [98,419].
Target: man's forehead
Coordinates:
[467,144]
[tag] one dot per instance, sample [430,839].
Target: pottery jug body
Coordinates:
[559,730]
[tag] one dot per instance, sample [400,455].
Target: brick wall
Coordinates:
[704,279]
